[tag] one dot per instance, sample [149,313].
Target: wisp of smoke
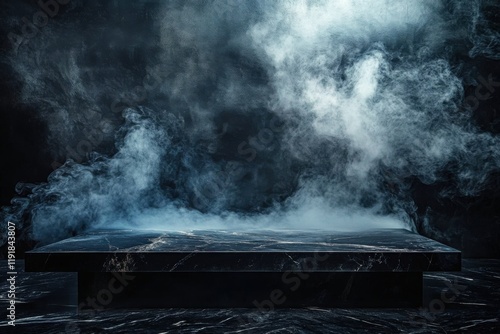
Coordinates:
[268,115]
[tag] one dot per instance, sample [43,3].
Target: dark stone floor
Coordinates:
[458,302]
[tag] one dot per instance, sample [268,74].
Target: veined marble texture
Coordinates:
[386,250]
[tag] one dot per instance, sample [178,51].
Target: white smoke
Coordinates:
[363,91]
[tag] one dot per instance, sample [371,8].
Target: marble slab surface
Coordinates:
[385,250]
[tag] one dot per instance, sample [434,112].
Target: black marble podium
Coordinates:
[263,269]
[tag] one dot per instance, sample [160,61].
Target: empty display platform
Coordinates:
[263,269]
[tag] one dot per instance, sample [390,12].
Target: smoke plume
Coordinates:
[254,114]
